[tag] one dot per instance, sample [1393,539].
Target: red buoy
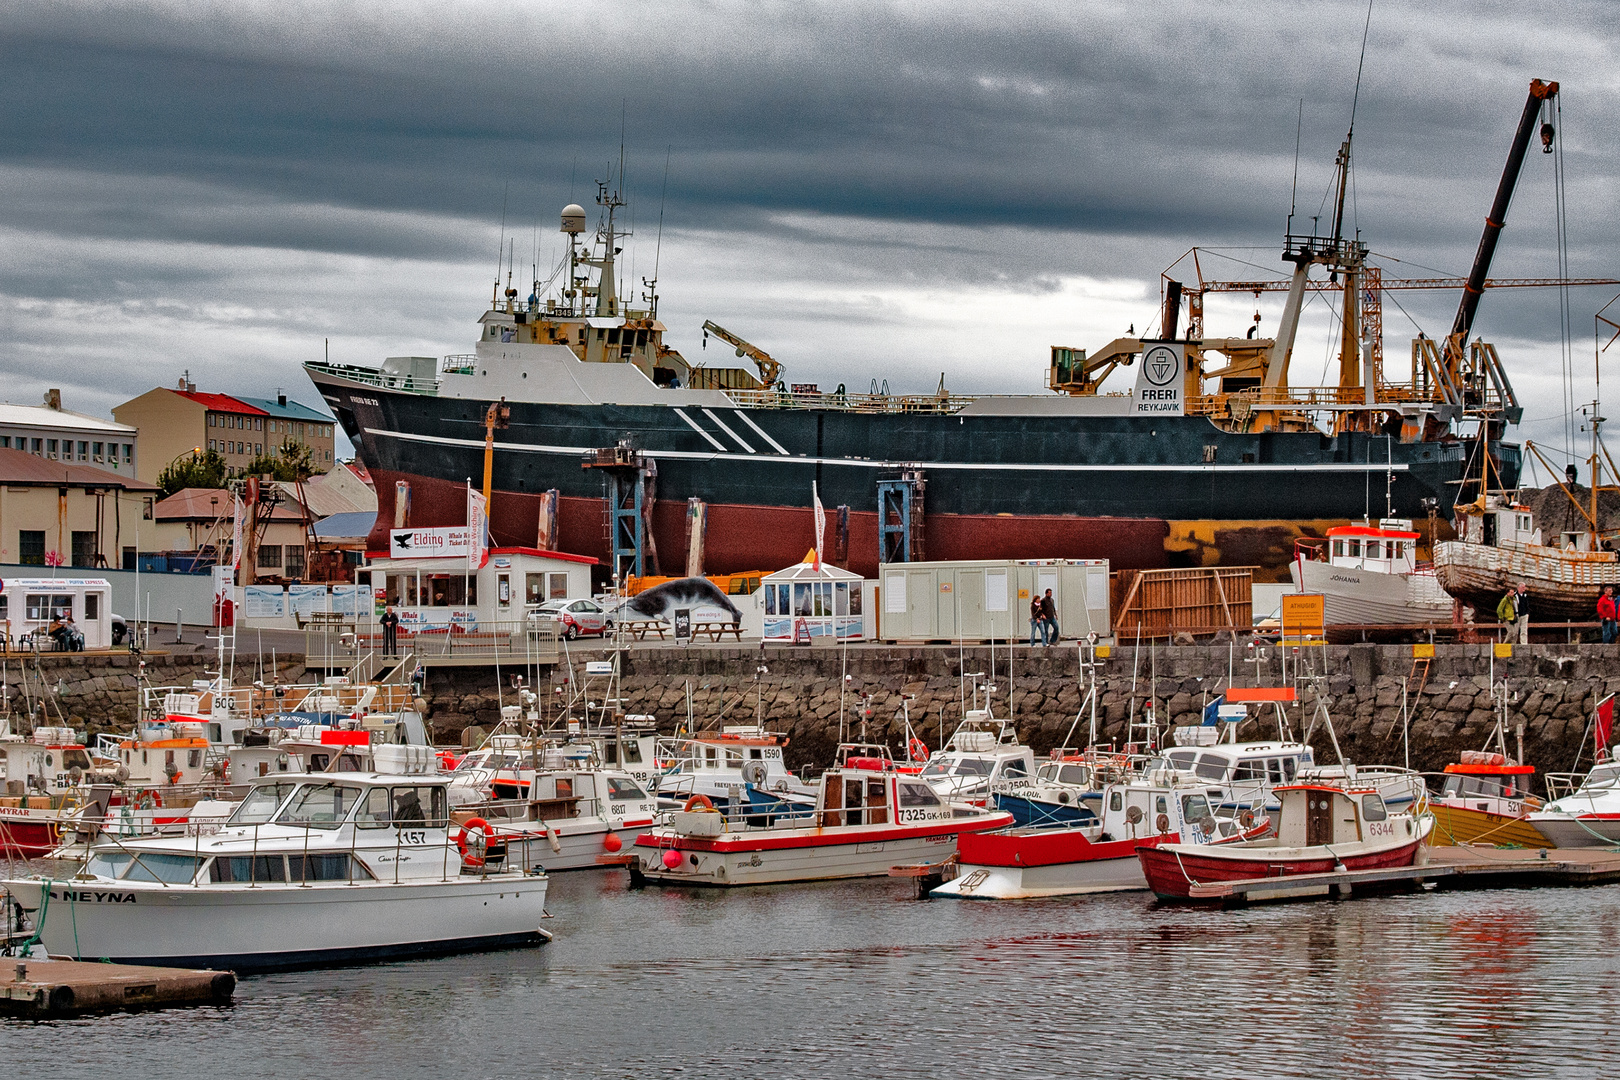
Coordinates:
[612,842]
[672,858]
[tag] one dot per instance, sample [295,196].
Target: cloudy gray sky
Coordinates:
[866,190]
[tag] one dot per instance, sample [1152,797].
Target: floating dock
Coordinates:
[43,989]
[1461,867]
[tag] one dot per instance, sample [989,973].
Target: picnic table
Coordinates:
[714,631]
[640,628]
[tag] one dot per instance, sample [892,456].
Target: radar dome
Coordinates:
[573,218]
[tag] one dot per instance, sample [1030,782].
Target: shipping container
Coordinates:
[985,600]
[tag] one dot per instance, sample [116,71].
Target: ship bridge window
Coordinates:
[1338,549]
[1355,549]
[1374,550]
[1014,767]
[320,806]
[1183,759]
[170,869]
[1400,549]
[1072,774]
[1211,767]
[1372,808]
[1250,769]
[624,789]
[613,336]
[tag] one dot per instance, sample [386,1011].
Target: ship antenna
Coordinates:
[500,250]
[658,245]
[1293,196]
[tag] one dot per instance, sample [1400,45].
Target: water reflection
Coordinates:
[859,979]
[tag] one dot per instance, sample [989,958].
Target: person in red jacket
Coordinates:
[1606,614]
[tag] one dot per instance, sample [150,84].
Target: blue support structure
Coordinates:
[900,518]
[627,492]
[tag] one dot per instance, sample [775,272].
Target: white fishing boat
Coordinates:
[982,752]
[869,817]
[310,870]
[1584,811]
[742,759]
[1369,575]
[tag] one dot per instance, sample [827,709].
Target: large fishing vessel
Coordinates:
[1212,456]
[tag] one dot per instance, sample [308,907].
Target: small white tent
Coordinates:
[812,601]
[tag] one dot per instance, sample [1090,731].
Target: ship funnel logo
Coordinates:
[1160,365]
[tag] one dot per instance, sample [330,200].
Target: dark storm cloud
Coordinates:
[1176,121]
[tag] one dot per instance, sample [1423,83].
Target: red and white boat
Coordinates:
[1369,575]
[869,817]
[42,775]
[1322,827]
[1164,806]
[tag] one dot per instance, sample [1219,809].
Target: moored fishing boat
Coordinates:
[1321,827]
[1369,574]
[1159,806]
[869,817]
[41,800]
[309,870]
[1485,798]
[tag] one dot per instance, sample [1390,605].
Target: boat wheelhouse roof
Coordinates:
[1389,527]
[1490,770]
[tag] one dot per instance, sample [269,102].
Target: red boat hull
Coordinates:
[1044,847]
[1172,871]
[28,839]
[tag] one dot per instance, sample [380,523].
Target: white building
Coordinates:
[50,431]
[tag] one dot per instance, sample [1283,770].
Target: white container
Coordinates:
[984,600]
[401,760]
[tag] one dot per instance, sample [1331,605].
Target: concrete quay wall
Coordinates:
[1553,691]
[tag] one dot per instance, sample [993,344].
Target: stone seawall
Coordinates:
[1552,690]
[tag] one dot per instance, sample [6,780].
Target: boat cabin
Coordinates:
[1243,774]
[42,763]
[1390,547]
[726,757]
[983,751]
[866,789]
[1488,782]
[1315,814]
[1500,523]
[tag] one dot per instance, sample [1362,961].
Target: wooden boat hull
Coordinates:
[1563,586]
[1173,869]
[1465,825]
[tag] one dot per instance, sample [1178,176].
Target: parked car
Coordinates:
[120,630]
[576,618]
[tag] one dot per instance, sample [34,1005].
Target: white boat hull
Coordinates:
[283,926]
[1367,597]
[1032,882]
[1570,831]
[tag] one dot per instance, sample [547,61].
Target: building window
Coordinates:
[210,444]
[5,442]
[213,421]
[39,446]
[258,448]
[130,559]
[559,587]
[31,547]
[146,508]
[129,453]
[295,561]
[50,448]
[99,451]
[258,424]
[84,450]
[269,557]
[84,548]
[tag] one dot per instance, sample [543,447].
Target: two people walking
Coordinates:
[1043,620]
[1514,609]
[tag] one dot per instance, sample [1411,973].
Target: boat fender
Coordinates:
[918,749]
[611,843]
[1247,819]
[672,859]
[473,855]
[699,802]
[1163,823]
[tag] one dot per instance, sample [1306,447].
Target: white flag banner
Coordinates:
[238,512]
[821,522]
[477,529]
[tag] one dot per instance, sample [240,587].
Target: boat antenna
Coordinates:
[500,250]
[658,244]
[1293,197]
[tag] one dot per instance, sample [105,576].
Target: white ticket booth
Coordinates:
[29,604]
[441,594]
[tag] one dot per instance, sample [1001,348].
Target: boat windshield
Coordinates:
[976,767]
[170,869]
[320,806]
[260,804]
[937,767]
[619,788]
[111,864]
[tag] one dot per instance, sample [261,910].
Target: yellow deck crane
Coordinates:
[770,369]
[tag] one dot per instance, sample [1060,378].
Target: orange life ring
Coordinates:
[468,857]
[150,797]
[699,800]
[917,749]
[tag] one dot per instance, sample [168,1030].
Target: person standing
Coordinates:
[1521,604]
[390,625]
[1049,618]
[1606,614]
[1507,613]
[1037,625]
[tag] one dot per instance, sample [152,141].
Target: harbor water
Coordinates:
[861,979]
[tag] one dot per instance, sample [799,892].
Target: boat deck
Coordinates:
[1464,866]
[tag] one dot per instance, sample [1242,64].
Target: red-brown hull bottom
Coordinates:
[767,538]
[1172,873]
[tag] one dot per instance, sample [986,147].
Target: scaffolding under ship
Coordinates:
[604,437]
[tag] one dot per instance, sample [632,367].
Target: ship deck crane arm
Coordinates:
[770,369]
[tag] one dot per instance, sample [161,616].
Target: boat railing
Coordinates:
[1561,785]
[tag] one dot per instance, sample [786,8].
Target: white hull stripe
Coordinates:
[965,466]
[714,442]
[780,449]
[721,424]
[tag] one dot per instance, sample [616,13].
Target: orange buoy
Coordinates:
[672,858]
[612,842]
